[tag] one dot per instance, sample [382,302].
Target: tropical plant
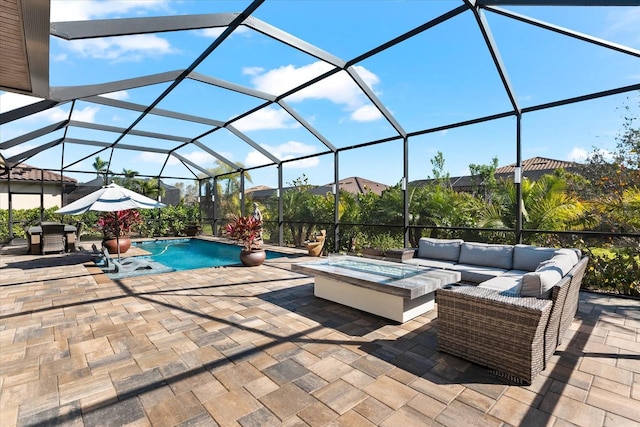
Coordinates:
[119,223]
[246,230]
[546,205]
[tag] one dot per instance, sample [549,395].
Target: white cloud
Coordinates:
[288,150]
[119,95]
[200,158]
[267,118]
[579,154]
[74,10]
[87,114]
[252,71]
[116,49]
[10,101]
[338,89]
[149,157]
[211,32]
[121,49]
[366,113]
[255,158]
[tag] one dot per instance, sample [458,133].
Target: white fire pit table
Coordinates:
[392,290]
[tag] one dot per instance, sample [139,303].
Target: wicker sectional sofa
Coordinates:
[514,306]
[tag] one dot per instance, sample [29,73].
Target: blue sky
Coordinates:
[443,76]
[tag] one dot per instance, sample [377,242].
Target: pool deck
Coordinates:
[238,346]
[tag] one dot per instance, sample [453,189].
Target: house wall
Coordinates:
[52,195]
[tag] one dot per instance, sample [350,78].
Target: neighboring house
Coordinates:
[354,185]
[32,187]
[532,169]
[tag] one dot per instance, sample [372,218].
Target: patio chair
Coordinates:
[110,265]
[53,238]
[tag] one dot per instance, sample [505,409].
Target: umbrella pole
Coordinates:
[118,236]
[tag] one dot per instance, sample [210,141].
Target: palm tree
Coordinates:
[229,195]
[128,180]
[546,205]
[150,188]
[102,168]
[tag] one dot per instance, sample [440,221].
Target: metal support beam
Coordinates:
[32,135]
[306,125]
[336,202]
[518,177]
[214,199]
[280,208]
[376,101]
[78,30]
[564,31]
[405,187]
[193,165]
[253,144]
[558,2]
[243,210]
[492,46]
[27,110]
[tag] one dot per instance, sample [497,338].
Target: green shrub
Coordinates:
[384,242]
[615,271]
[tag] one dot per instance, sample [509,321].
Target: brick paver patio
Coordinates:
[254,347]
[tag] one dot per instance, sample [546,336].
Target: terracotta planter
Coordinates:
[112,245]
[252,258]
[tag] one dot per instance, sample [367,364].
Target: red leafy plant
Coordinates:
[119,223]
[246,230]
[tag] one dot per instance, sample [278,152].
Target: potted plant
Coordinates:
[247,230]
[193,227]
[116,228]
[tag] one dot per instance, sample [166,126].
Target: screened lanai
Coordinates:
[184,91]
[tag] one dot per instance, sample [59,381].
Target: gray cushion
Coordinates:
[539,283]
[488,255]
[424,262]
[506,285]
[573,254]
[515,273]
[561,263]
[442,249]
[528,257]
[477,273]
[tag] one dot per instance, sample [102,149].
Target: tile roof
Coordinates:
[25,172]
[353,185]
[532,168]
[358,185]
[537,163]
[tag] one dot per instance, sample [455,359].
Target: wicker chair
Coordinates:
[53,238]
[515,336]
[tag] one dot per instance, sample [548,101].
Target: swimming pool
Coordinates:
[187,254]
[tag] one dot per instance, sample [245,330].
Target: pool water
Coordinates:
[187,254]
